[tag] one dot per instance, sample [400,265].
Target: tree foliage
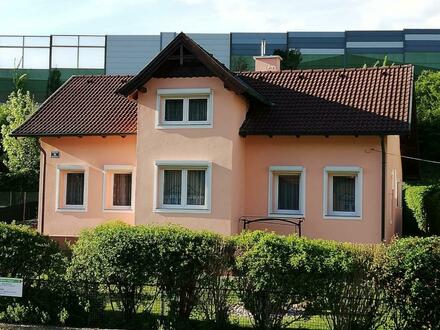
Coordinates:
[21,154]
[291,58]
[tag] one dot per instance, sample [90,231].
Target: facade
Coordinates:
[38,56]
[187,141]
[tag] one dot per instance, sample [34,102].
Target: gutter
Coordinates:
[43,189]
[383,153]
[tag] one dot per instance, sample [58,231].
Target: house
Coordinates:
[186,141]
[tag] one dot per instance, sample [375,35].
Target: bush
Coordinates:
[117,257]
[347,290]
[187,261]
[38,261]
[411,278]
[274,273]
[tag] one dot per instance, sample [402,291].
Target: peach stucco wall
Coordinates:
[92,153]
[315,153]
[219,144]
[393,212]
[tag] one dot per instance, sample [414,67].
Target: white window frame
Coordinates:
[274,172]
[186,94]
[70,169]
[329,171]
[184,166]
[117,169]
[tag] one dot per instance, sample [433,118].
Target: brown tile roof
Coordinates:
[84,105]
[331,102]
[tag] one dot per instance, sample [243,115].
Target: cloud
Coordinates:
[154,16]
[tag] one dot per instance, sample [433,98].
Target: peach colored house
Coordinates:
[186,141]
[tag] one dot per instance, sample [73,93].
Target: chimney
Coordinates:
[267,62]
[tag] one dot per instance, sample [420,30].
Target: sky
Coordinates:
[44,17]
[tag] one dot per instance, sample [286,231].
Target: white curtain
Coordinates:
[172,187]
[196,187]
[288,192]
[344,194]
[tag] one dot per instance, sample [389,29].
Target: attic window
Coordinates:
[184,108]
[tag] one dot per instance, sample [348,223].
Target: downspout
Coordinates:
[43,189]
[382,147]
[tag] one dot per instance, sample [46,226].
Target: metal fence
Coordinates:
[18,206]
[213,307]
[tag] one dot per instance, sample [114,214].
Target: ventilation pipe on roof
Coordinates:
[263,47]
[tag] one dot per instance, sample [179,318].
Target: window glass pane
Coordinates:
[37,41]
[196,187]
[198,110]
[93,41]
[11,41]
[174,110]
[122,189]
[172,187]
[36,58]
[10,58]
[288,192]
[75,189]
[64,57]
[344,194]
[65,40]
[91,58]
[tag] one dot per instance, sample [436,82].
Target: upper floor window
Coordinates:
[342,192]
[184,108]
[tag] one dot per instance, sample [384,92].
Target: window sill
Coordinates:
[72,209]
[286,215]
[183,126]
[185,211]
[341,217]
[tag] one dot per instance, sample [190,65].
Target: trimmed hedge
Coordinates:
[352,286]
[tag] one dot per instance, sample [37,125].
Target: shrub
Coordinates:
[347,290]
[411,278]
[187,259]
[274,273]
[38,261]
[117,257]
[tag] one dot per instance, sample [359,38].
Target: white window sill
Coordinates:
[341,217]
[181,210]
[286,215]
[71,209]
[182,126]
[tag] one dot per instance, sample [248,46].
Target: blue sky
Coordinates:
[33,17]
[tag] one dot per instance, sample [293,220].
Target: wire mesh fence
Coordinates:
[208,307]
[18,205]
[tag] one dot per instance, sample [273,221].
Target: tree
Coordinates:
[21,154]
[291,58]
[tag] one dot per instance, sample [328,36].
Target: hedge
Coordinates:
[352,286]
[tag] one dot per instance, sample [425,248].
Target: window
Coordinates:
[184,185]
[342,192]
[286,190]
[122,189]
[118,187]
[71,189]
[184,107]
[74,189]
